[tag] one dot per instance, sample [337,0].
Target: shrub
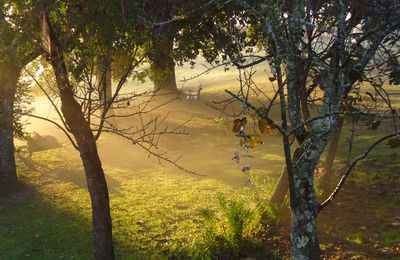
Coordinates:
[235,228]
[238,225]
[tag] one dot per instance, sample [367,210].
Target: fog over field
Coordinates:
[207,129]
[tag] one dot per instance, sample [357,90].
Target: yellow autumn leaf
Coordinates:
[256,137]
[252,143]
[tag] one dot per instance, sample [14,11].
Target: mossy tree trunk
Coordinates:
[303,201]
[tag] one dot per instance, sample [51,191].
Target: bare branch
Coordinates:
[350,166]
[54,123]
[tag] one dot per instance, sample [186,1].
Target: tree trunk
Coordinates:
[80,128]
[104,81]
[304,204]
[304,238]
[163,65]
[9,75]
[330,157]
[97,186]
[281,189]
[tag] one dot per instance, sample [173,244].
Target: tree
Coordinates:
[81,38]
[73,36]
[177,31]
[12,59]
[9,74]
[86,143]
[336,43]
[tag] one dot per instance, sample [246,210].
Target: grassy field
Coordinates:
[157,209]
[153,211]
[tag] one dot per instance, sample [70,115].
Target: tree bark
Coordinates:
[163,65]
[80,128]
[281,189]
[9,75]
[97,186]
[304,237]
[303,201]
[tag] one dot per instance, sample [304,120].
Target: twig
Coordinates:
[260,113]
[54,123]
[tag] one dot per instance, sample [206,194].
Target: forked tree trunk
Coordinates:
[79,127]
[282,187]
[9,75]
[163,65]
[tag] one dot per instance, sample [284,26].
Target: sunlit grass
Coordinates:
[355,238]
[156,210]
[153,211]
[272,157]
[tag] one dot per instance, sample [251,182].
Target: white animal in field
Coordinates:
[193,94]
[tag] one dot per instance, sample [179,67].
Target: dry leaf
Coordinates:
[238,124]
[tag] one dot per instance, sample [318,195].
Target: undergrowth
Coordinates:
[239,225]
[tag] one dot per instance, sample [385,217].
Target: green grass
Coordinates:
[233,229]
[381,163]
[388,238]
[157,211]
[153,212]
[355,238]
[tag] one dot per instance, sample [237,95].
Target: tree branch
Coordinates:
[258,111]
[350,166]
[54,123]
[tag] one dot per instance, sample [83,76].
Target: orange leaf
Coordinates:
[238,124]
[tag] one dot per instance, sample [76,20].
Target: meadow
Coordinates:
[159,211]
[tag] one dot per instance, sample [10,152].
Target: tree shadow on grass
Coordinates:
[66,174]
[33,225]
[77,177]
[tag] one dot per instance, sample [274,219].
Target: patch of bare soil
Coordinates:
[353,225]
[358,220]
